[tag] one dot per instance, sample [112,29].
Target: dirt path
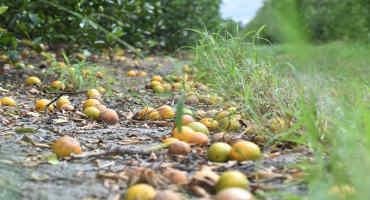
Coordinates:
[27,172]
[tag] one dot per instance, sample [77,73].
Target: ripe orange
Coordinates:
[132,73]
[245,150]
[65,146]
[91,102]
[166,112]
[33,80]
[184,135]
[198,138]
[41,104]
[210,123]
[157,78]
[8,101]
[62,101]
[58,85]
[93,94]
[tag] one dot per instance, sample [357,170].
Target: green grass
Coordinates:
[325,88]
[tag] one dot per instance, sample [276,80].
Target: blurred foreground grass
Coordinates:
[324,87]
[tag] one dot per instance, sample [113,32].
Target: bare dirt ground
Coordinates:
[117,155]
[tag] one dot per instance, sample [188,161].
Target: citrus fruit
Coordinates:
[219,152]
[8,101]
[65,146]
[140,192]
[109,116]
[232,179]
[92,112]
[245,150]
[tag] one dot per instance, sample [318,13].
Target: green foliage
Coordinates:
[317,20]
[145,24]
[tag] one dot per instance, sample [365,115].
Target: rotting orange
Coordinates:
[166,112]
[109,116]
[187,119]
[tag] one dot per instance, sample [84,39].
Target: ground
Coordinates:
[29,171]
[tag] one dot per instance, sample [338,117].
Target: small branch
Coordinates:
[119,150]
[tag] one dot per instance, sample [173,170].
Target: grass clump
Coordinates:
[323,89]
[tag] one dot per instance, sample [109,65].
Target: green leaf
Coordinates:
[3,9]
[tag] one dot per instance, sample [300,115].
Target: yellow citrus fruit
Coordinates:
[155,83]
[109,116]
[159,89]
[132,73]
[157,78]
[198,127]
[8,101]
[210,123]
[143,113]
[65,146]
[153,115]
[140,192]
[62,101]
[141,73]
[167,87]
[58,85]
[33,80]
[93,94]
[41,104]
[169,141]
[184,135]
[99,74]
[245,150]
[92,112]
[166,112]
[232,179]
[91,102]
[223,114]
[219,152]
